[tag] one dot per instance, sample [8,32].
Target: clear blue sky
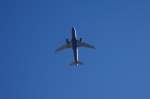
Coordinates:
[119,68]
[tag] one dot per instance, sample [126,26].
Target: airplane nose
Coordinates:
[73,29]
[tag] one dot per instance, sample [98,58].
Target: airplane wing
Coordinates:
[84,44]
[65,46]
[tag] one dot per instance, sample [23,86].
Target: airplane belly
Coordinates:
[75,51]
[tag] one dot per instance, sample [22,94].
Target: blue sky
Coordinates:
[30,30]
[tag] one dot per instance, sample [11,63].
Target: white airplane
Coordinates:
[74,43]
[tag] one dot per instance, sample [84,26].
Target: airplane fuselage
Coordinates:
[74,45]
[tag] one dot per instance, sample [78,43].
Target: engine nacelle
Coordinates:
[67,41]
[80,39]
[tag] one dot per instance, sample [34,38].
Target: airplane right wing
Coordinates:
[63,47]
[84,44]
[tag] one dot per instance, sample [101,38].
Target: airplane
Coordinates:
[74,43]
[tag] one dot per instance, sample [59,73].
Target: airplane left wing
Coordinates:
[63,47]
[84,44]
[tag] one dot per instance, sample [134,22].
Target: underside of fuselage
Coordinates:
[74,45]
[75,51]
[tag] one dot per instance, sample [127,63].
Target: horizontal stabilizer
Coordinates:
[76,63]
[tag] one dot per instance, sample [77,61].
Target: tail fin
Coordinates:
[76,63]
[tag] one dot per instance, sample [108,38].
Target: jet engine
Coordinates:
[80,39]
[67,41]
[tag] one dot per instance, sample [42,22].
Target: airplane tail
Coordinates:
[76,63]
